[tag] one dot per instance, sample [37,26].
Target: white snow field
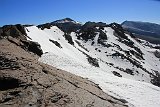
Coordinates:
[136,89]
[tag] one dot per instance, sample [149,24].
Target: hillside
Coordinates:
[26,82]
[122,65]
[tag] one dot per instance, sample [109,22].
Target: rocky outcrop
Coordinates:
[56,43]
[17,35]
[90,29]
[156,78]
[157,54]
[32,47]
[116,74]
[26,82]
[15,31]
[68,38]
[120,33]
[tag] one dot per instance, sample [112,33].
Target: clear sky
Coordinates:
[42,11]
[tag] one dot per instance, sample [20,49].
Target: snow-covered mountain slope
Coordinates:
[121,64]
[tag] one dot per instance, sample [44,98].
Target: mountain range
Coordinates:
[110,58]
[144,30]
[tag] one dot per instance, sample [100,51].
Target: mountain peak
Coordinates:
[69,19]
[65,20]
[66,25]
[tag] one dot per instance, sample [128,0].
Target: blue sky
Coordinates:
[42,11]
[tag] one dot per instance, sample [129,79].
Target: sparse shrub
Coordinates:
[116,74]
[99,50]
[129,71]
[92,43]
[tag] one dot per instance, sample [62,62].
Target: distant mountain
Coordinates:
[144,30]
